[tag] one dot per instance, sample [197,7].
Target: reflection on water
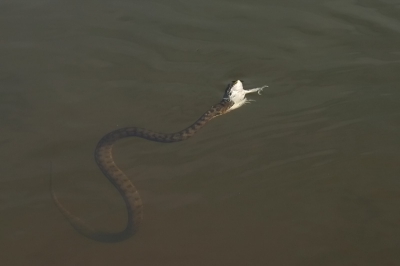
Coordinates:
[306,175]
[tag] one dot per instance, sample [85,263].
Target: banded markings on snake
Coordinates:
[234,97]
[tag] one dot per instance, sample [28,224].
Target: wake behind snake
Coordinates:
[234,97]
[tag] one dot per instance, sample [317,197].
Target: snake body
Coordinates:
[234,97]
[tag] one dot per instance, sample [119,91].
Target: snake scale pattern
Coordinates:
[234,97]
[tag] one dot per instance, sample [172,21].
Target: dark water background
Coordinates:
[308,174]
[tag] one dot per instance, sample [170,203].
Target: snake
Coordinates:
[234,97]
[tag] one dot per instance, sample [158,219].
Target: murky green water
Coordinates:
[306,175]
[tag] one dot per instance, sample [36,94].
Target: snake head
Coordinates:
[234,86]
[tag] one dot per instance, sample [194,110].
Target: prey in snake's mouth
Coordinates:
[234,97]
[236,94]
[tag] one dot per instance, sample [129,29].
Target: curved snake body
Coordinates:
[234,98]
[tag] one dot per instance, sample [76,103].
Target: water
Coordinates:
[306,175]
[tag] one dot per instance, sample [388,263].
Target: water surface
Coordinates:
[306,175]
